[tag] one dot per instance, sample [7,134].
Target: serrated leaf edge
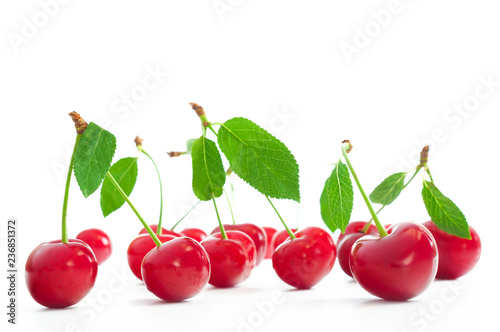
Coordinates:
[387,193]
[206,169]
[295,197]
[83,190]
[339,224]
[427,186]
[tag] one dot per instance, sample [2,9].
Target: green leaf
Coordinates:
[260,159]
[325,206]
[387,191]
[93,156]
[337,198]
[125,173]
[208,172]
[443,212]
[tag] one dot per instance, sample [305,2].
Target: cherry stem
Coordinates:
[367,225]
[345,147]
[185,215]
[210,127]
[429,173]
[290,233]
[230,207]
[221,227]
[64,238]
[125,197]
[159,230]
[413,176]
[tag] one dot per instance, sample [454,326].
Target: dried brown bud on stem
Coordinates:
[138,141]
[175,154]
[424,155]
[80,124]
[198,109]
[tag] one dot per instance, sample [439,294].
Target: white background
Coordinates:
[280,64]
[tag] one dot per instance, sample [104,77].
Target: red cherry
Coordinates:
[164,231]
[280,237]
[139,247]
[269,233]
[457,256]
[245,240]
[176,270]
[345,241]
[256,233]
[194,233]
[398,266]
[58,274]
[98,241]
[230,261]
[305,260]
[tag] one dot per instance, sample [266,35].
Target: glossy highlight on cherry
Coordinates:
[304,261]
[59,275]
[457,256]
[396,267]
[176,270]
[231,259]
[353,232]
[99,242]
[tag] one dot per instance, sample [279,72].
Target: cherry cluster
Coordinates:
[376,263]
[394,262]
